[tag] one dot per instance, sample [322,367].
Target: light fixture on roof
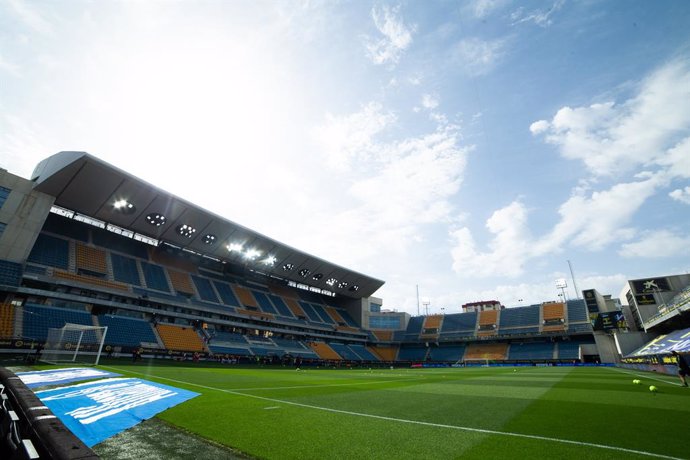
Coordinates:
[343,285]
[317,276]
[124,206]
[331,281]
[288,267]
[209,239]
[186,230]
[304,272]
[354,288]
[155,219]
[252,254]
[270,260]
[237,247]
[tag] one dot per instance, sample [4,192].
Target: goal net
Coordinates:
[74,343]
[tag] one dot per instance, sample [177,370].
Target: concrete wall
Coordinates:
[24,212]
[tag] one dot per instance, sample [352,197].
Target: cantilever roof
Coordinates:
[85,184]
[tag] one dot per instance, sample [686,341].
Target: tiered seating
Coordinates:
[412,353]
[447,353]
[324,351]
[321,311]
[226,294]
[333,312]
[204,288]
[38,319]
[181,282]
[531,351]
[125,269]
[385,353]
[264,302]
[568,350]
[519,320]
[49,250]
[126,331]
[311,313]
[554,317]
[580,327]
[486,351]
[458,325]
[90,280]
[577,311]
[383,336]
[281,306]
[91,259]
[488,322]
[431,326]
[414,328]
[10,273]
[295,308]
[155,277]
[348,319]
[246,297]
[344,351]
[6,320]
[180,338]
[363,352]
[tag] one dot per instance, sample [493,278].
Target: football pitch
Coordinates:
[501,412]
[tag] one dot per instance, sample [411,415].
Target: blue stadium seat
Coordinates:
[531,351]
[50,250]
[264,302]
[154,275]
[125,331]
[125,269]
[39,318]
[204,288]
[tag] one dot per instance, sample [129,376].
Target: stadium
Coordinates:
[216,341]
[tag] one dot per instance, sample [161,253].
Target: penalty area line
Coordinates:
[412,422]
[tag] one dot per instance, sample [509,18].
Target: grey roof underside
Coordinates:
[88,185]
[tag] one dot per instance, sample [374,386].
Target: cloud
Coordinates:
[483,8]
[539,17]
[350,138]
[390,189]
[539,127]
[649,129]
[429,102]
[397,36]
[588,220]
[9,67]
[30,16]
[681,194]
[477,57]
[508,250]
[657,244]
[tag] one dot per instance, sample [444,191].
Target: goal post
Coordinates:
[74,343]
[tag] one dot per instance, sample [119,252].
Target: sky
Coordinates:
[470,149]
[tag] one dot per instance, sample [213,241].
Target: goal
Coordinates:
[74,343]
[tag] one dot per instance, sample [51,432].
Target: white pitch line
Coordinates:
[644,376]
[415,422]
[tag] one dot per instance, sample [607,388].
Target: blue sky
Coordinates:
[471,148]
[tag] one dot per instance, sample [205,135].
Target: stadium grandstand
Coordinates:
[85,243]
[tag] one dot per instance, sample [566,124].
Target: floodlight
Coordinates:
[354,288]
[209,239]
[331,281]
[234,247]
[124,206]
[288,267]
[252,254]
[317,276]
[155,219]
[304,272]
[186,230]
[270,260]
[343,285]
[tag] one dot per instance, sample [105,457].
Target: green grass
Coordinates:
[428,413]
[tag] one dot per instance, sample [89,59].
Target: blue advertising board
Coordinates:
[95,411]
[35,379]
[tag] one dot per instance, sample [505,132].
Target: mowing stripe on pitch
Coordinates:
[644,376]
[412,422]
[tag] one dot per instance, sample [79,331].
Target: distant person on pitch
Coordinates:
[683,368]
